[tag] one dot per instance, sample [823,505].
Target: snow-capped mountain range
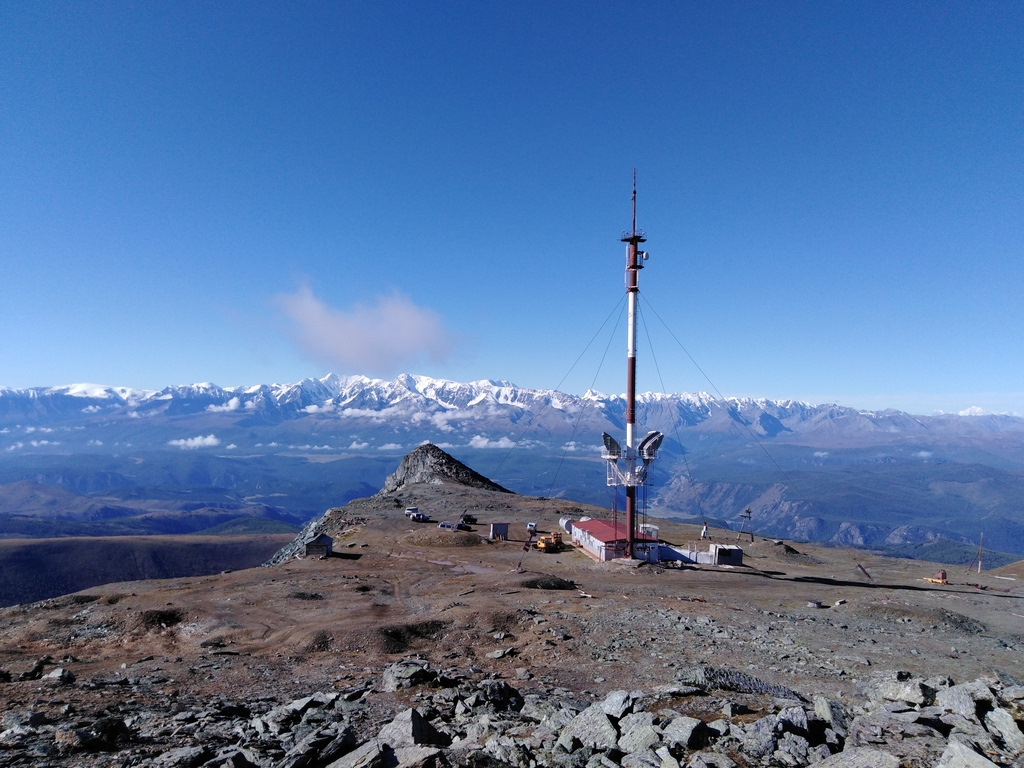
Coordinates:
[807,468]
[419,403]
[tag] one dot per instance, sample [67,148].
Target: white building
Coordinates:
[605,540]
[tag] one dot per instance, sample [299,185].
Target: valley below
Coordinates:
[34,569]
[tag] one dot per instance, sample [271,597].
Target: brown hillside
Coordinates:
[35,569]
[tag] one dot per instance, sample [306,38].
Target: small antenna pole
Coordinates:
[633,232]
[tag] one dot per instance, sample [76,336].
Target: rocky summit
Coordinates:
[429,464]
[411,645]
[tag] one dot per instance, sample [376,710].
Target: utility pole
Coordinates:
[977,557]
[746,518]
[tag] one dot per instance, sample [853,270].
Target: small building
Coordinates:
[499,531]
[716,554]
[604,540]
[726,554]
[320,546]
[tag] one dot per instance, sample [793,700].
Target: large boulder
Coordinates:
[411,729]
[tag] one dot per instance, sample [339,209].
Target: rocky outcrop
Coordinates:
[448,718]
[334,522]
[426,465]
[429,464]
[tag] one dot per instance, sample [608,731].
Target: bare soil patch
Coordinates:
[435,537]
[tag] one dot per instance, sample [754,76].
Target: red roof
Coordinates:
[605,531]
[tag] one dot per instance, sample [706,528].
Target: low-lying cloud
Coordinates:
[479,441]
[382,337]
[231,405]
[192,443]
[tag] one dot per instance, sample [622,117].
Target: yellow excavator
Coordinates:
[549,542]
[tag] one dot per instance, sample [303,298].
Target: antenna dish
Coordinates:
[648,448]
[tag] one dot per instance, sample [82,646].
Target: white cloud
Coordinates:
[231,447]
[231,405]
[95,442]
[191,443]
[375,417]
[358,446]
[326,407]
[385,336]
[923,455]
[15,446]
[821,454]
[440,421]
[390,447]
[479,441]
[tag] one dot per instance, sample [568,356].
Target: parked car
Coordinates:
[446,526]
[419,517]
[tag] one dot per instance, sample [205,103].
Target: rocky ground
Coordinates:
[418,647]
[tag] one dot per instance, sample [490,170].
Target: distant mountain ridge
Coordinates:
[351,396]
[824,472]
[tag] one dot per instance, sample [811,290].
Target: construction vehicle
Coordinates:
[549,542]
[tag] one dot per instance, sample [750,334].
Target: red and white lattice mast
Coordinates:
[627,466]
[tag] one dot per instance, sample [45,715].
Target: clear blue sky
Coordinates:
[249,192]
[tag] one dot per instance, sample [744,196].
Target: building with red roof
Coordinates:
[606,539]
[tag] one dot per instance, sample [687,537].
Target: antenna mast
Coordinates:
[631,475]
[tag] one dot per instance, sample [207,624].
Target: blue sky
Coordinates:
[258,192]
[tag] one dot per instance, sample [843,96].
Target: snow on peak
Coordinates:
[972,411]
[89,390]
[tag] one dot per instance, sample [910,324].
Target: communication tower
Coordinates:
[627,466]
